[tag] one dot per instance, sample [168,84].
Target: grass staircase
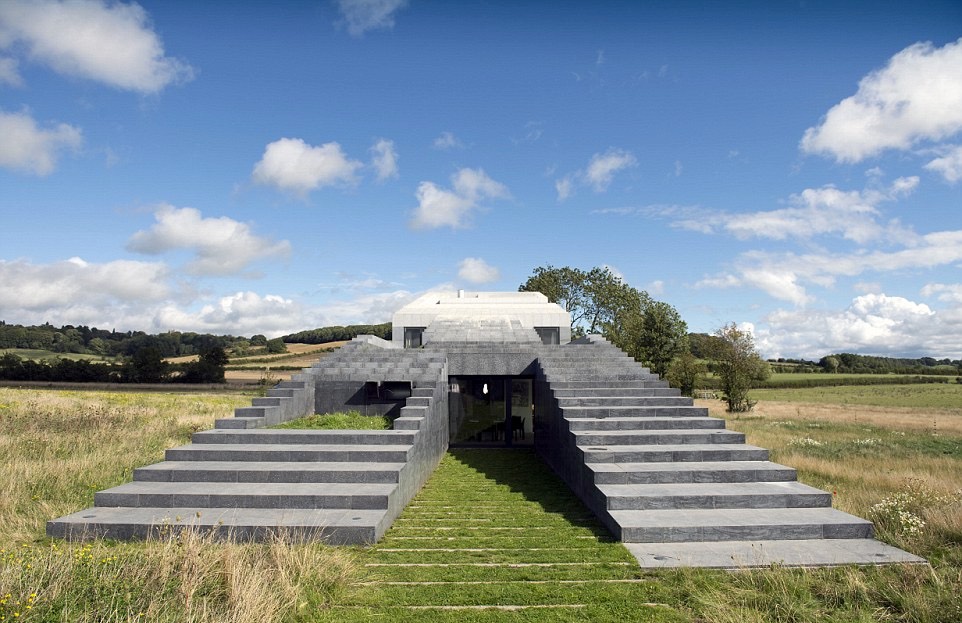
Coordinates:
[494,535]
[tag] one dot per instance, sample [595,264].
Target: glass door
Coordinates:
[490,411]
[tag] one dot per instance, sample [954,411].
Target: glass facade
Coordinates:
[491,410]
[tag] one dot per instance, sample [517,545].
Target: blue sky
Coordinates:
[249,168]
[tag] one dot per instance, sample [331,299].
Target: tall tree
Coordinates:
[661,336]
[738,366]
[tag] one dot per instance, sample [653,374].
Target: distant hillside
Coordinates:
[324,335]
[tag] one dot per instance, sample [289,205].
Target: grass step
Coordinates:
[247,495]
[267,471]
[754,495]
[712,471]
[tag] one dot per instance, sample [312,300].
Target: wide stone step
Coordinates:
[603,382]
[738,524]
[625,401]
[247,495]
[298,436]
[654,411]
[333,526]
[267,471]
[714,495]
[618,392]
[673,453]
[708,471]
[637,423]
[289,452]
[657,437]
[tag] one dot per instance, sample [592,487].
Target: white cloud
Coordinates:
[221,245]
[945,292]
[602,167]
[949,165]
[916,97]
[438,207]
[446,141]
[364,15]
[242,313]
[384,158]
[872,324]
[109,42]
[26,147]
[784,276]
[564,187]
[292,165]
[29,288]
[476,270]
[599,173]
[8,72]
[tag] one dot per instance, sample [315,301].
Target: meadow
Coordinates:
[897,463]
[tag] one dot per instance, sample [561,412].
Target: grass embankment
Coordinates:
[349,420]
[57,448]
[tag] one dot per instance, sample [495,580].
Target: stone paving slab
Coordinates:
[334,526]
[737,555]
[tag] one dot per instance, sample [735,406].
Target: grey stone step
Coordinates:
[333,526]
[247,495]
[673,453]
[653,411]
[752,554]
[656,437]
[267,471]
[235,423]
[625,401]
[710,471]
[290,452]
[637,423]
[715,495]
[614,392]
[296,436]
[594,383]
[738,524]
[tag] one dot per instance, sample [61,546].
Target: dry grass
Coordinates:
[58,448]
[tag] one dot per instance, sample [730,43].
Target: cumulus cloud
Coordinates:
[384,159]
[109,42]
[9,73]
[853,215]
[28,148]
[364,15]
[447,140]
[785,276]
[873,324]
[917,96]
[292,165]
[439,207]
[949,165]
[476,270]
[221,245]
[27,287]
[241,313]
[599,173]
[944,292]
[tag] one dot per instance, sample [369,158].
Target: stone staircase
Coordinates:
[243,481]
[677,487]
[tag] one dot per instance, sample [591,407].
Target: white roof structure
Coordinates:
[530,310]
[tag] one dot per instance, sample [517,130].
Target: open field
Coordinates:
[50,356]
[59,447]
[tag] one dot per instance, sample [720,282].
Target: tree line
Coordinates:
[323,335]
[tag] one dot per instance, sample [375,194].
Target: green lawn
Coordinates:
[928,396]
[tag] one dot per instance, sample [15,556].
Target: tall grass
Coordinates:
[58,448]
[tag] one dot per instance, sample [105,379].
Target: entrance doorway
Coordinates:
[491,411]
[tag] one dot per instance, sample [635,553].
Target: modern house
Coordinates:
[488,370]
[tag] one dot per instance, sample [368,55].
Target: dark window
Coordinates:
[549,335]
[412,337]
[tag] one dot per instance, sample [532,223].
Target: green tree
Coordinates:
[598,300]
[738,366]
[147,365]
[258,340]
[276,345]
[209,368]
[661,335]
[684,372]
[830,364]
